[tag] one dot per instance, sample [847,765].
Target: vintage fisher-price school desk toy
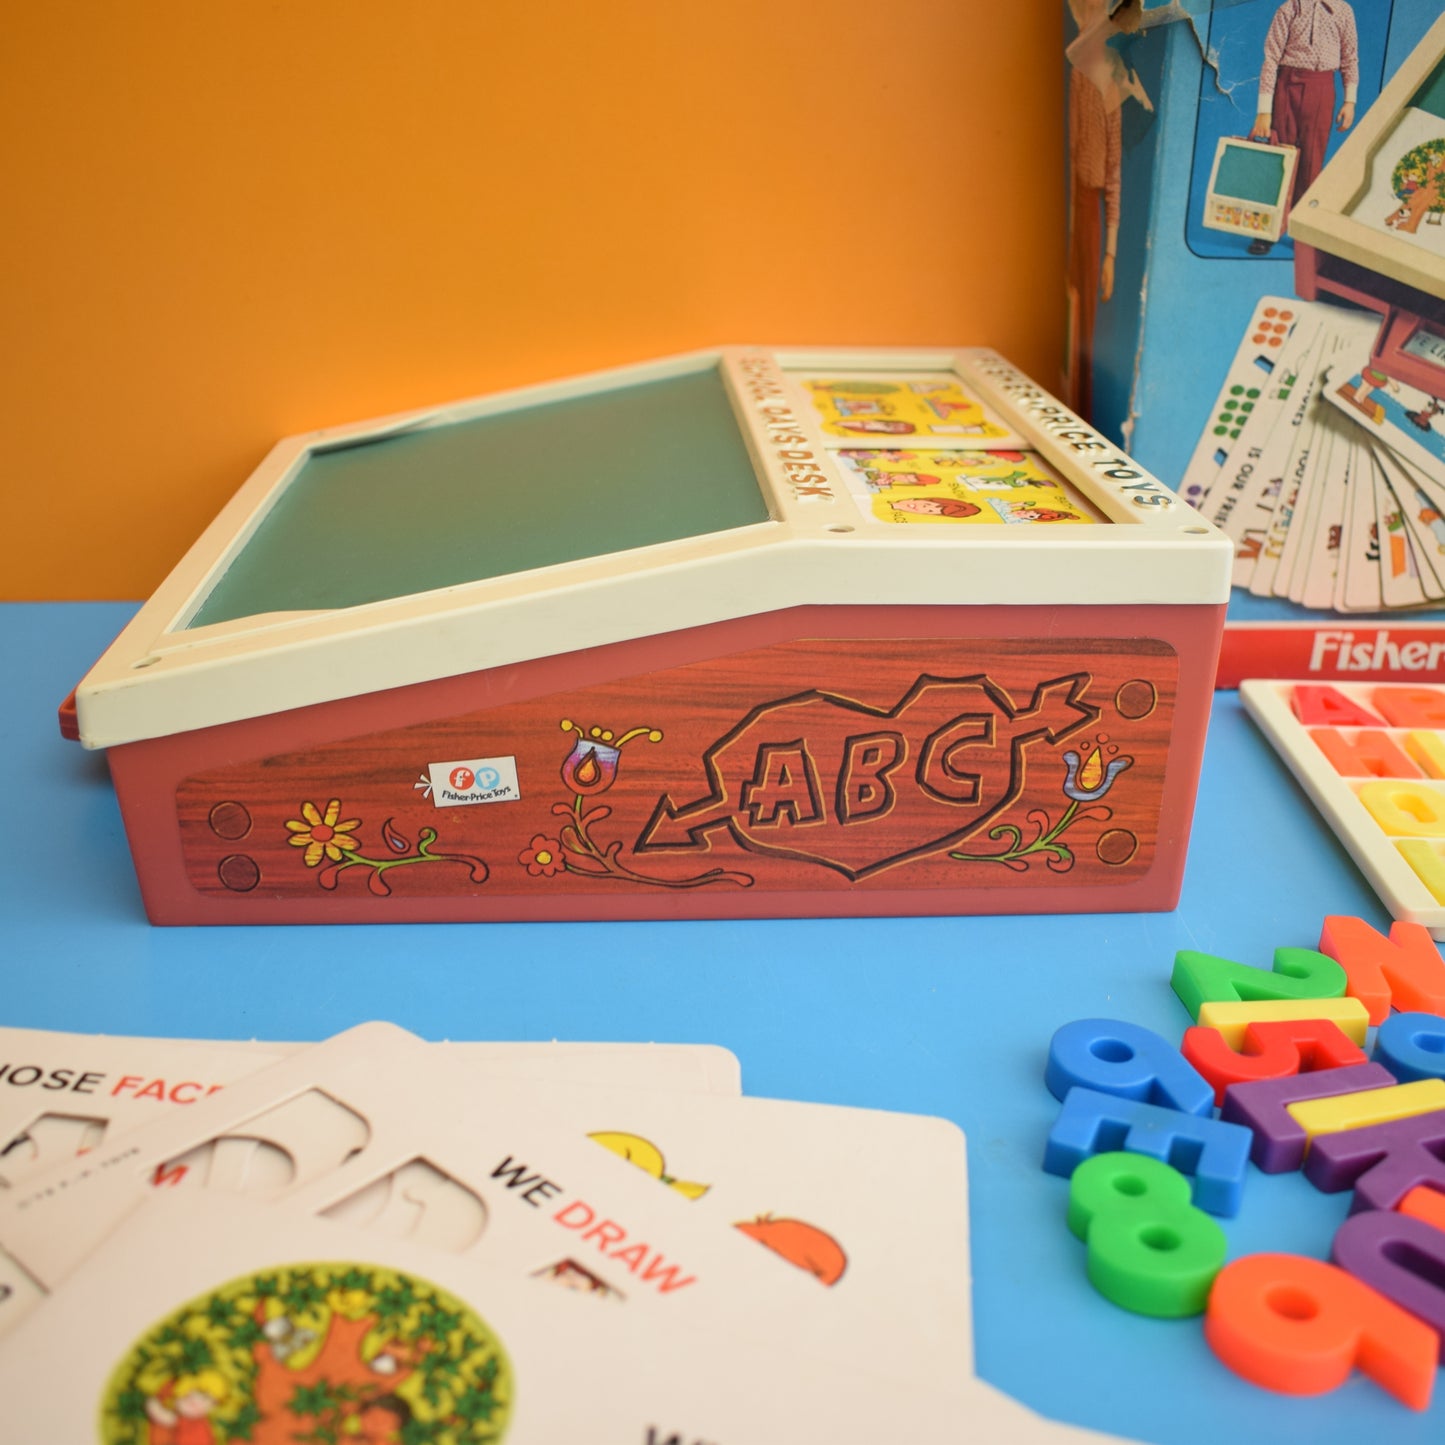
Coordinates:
[746,632]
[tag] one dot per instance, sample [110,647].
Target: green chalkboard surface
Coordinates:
[1431,95]
[1246,174]
[550,483]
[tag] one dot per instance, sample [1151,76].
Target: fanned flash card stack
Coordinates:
[380,1239]
[1328,475]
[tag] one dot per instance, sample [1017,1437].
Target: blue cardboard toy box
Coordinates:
[1256,294]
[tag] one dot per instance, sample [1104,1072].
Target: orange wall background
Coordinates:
[233,220]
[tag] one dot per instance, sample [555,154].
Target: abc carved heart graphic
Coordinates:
[830,780]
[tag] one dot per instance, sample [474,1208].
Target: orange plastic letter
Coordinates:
[1300,1326]
[1411,707]
[1425,1203]
[1404,969]
[1368,754]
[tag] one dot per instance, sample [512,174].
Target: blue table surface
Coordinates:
[946,1016]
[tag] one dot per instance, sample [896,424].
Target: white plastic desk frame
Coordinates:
[159,678]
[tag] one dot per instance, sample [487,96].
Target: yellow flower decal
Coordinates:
[320,834]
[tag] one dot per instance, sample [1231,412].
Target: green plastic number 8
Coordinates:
[1150,1249]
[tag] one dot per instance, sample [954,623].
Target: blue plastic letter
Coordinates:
[1214,1152]
[1126,1060]
[1412,1046]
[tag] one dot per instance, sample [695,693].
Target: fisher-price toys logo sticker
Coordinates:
[470,780]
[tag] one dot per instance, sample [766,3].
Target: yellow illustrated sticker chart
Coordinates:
[1008,488]
[902,407]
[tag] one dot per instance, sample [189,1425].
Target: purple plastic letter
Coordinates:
[1279,1142]
[1401,1257]
[1383,1162]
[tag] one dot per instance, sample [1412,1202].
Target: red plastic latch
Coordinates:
[69,722]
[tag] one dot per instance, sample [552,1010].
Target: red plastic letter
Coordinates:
[1273,1049]
[1313,703]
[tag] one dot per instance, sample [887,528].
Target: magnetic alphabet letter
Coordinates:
[1301,1326]
[1216,1153]
[1150,1249]
[1127,1060]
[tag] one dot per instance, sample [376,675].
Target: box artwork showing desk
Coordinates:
[1371,231]
[746,632]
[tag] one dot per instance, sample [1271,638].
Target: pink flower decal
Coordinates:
[1092,778]
[591,766]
